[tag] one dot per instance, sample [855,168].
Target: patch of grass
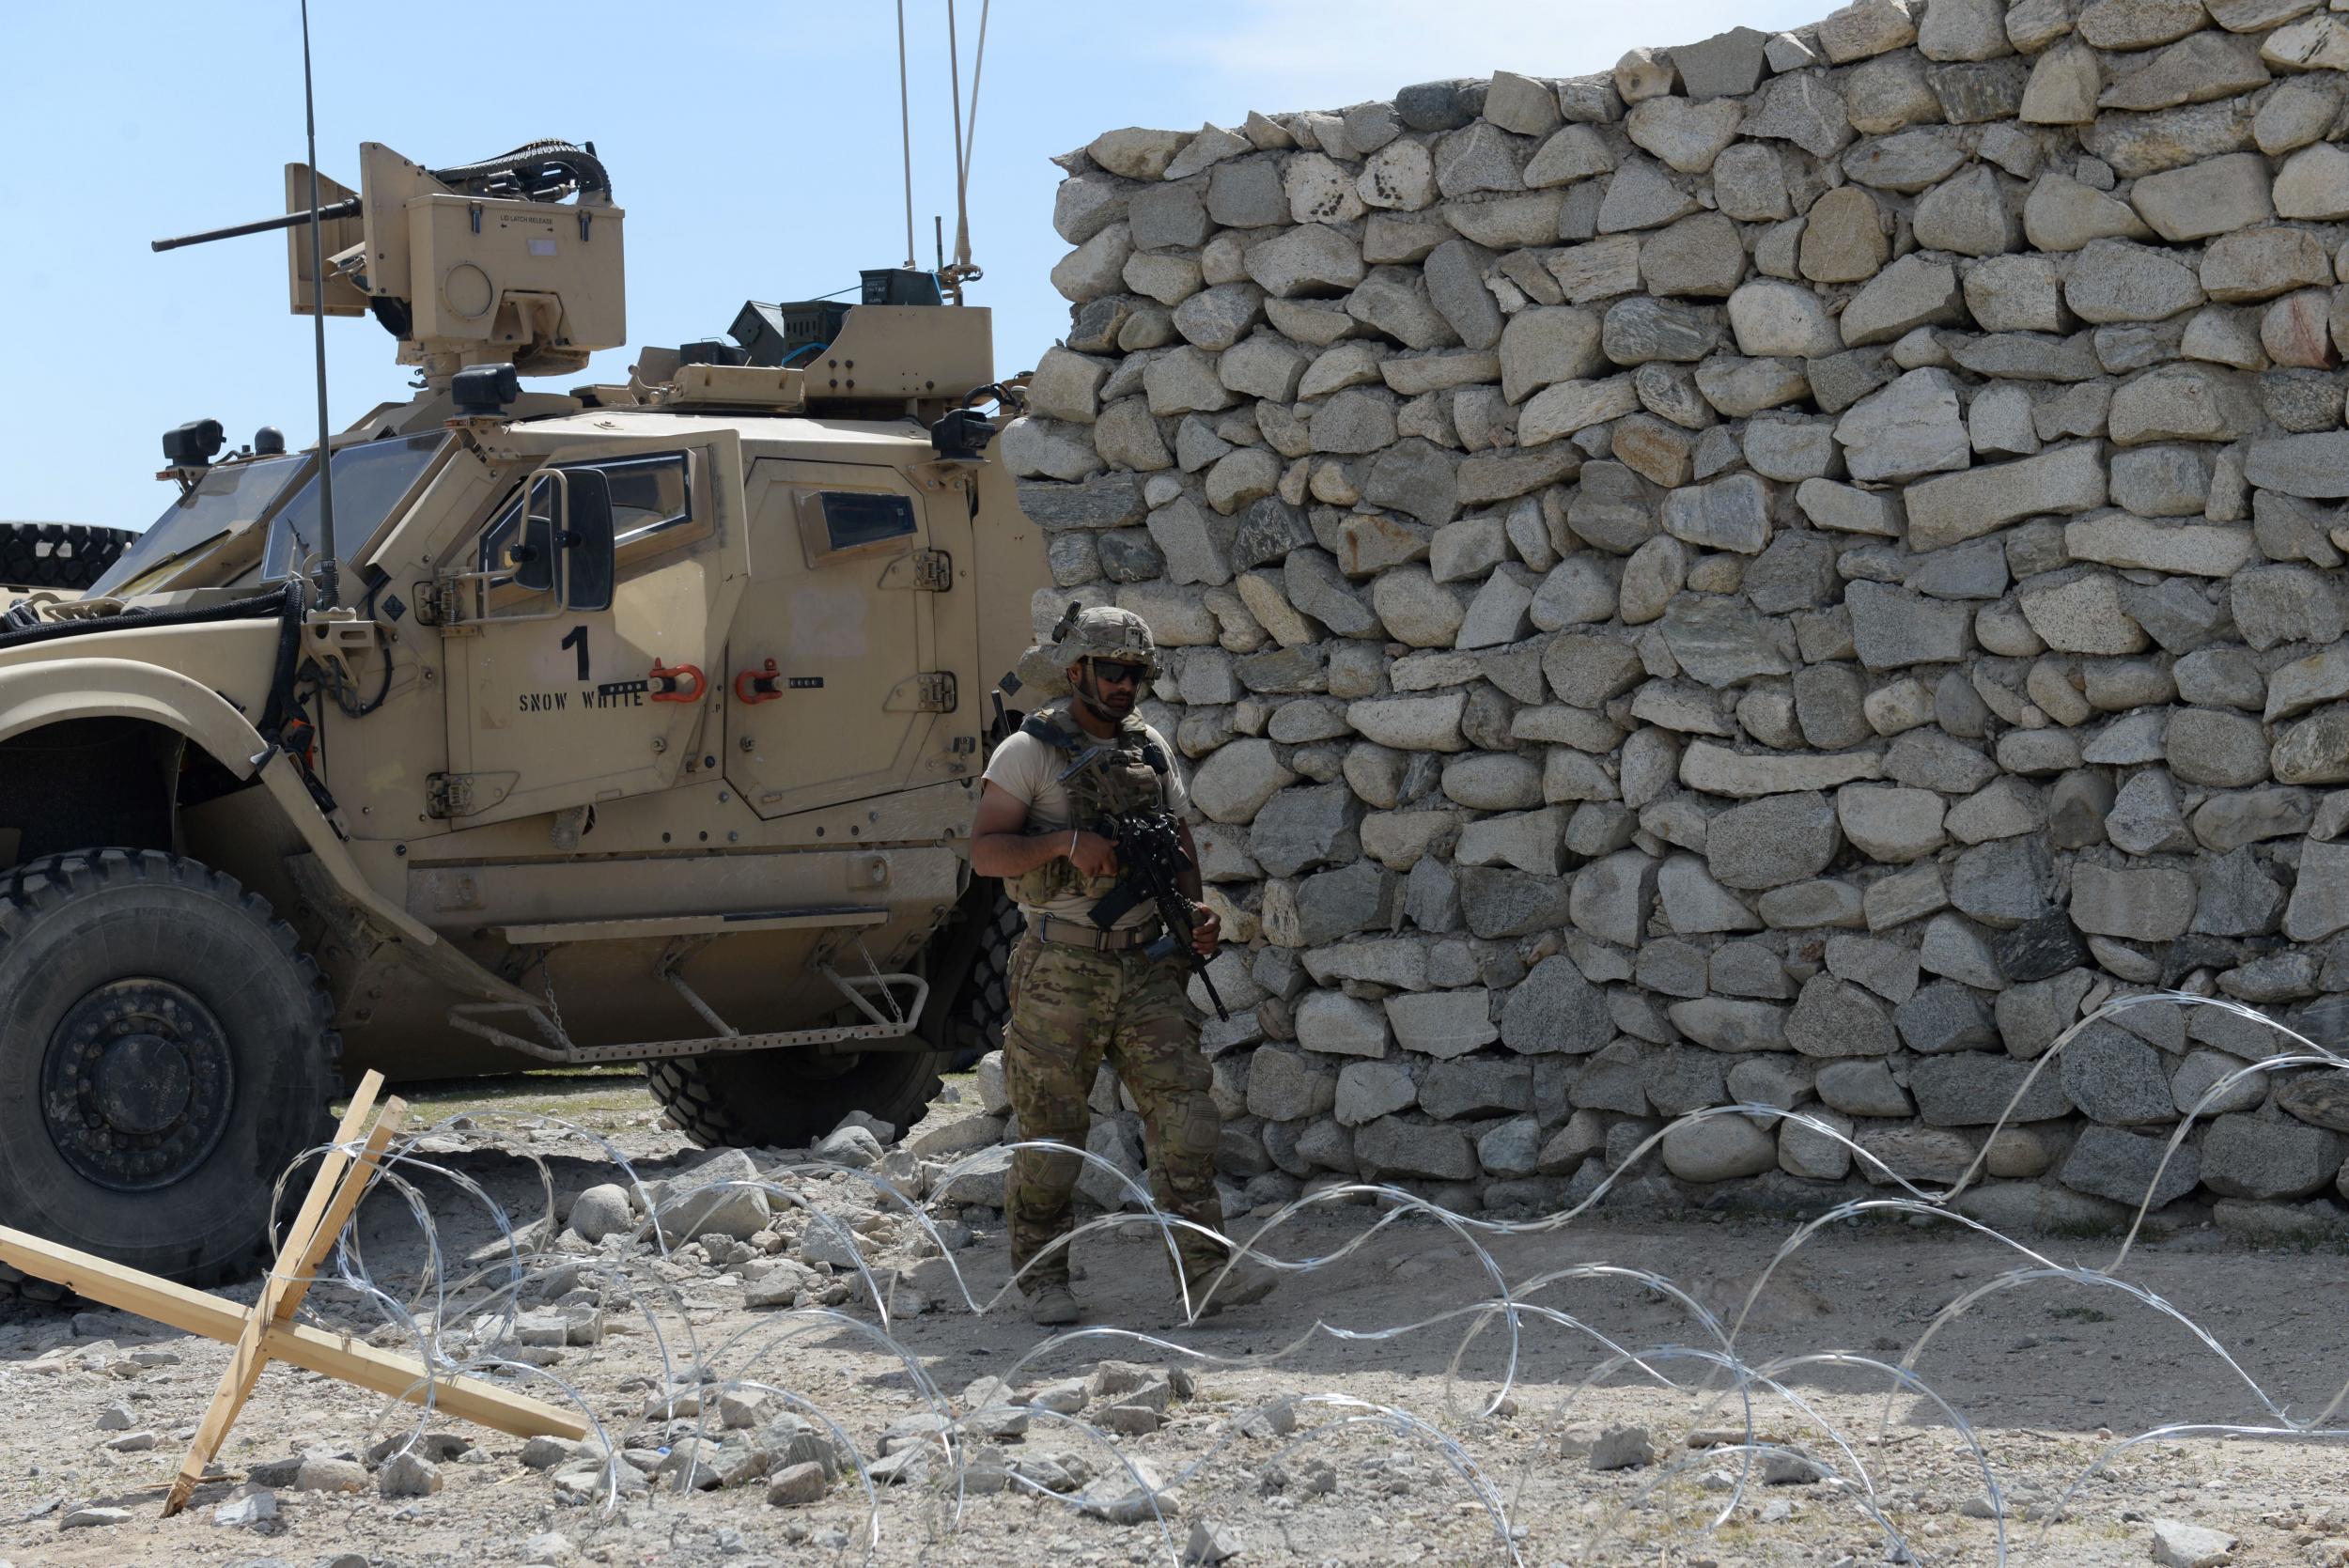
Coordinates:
[604,1099]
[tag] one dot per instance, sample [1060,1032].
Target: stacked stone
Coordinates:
[1787,573]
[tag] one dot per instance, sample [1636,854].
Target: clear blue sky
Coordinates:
[754,148]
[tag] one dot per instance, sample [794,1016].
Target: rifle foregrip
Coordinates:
[1199,966]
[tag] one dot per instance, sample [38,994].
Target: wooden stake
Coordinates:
[335,1191]
[267,1334]
[296,1345]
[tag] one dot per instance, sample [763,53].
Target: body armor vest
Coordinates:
[1104,779]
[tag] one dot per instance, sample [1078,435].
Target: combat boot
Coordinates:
[1214,1289]
[1053,1305]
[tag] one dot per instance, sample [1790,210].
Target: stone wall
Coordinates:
[1788,572]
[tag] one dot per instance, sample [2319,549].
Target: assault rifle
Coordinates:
[1150,847]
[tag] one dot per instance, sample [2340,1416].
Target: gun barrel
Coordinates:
[348,207]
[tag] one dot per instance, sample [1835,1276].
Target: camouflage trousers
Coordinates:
[1070,1007]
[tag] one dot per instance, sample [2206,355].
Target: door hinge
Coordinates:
[926,571]
[439,603]
[932,691]
[447,794]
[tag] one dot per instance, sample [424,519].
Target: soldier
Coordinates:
[1078,992]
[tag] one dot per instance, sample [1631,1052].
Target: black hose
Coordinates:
[292,600]
[259,607]
[538,169]
[367,612]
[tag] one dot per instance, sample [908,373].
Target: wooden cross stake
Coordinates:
[267,1333]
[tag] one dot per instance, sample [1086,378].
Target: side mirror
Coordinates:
[587,541]
[578,554]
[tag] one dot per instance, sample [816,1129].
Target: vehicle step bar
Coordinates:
[690,925]
[875,995]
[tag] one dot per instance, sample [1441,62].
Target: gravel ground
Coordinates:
[1291,1435]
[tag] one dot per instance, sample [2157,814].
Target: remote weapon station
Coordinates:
[639,722]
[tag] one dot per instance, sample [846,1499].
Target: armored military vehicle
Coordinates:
[635,723]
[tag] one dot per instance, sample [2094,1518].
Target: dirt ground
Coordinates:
[1312,1434]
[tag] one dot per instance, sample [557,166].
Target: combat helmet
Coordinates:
[1102,631]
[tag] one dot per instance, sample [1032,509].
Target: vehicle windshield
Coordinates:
[223,500]
[369,479]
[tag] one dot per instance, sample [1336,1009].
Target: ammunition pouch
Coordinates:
[1106,779]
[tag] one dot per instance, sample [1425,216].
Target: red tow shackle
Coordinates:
[761,685]
[684,684]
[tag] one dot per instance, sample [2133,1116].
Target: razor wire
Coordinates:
[470,1315]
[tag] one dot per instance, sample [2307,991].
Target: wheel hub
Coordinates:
[143,1084]
[136,1085]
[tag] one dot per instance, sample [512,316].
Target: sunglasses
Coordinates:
[1108,672]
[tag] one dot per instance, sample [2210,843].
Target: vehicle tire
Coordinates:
[986,1001]
[787,1099]
[67,555]
[165,1053]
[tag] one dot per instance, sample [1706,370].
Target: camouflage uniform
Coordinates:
[1069,1008]
[1072,1006]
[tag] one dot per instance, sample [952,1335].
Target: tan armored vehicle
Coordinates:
[647,729]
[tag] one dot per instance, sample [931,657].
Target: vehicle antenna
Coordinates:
[962,162]
[953,95]
[905,124]
[962,272]
[327,585]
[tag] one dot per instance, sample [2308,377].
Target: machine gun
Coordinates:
[1150,847]
[472,264]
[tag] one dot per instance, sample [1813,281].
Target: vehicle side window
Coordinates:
[369,479]
[652,511]
[842,525]
[853,520]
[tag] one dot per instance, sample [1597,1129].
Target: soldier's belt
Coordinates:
[1077,933]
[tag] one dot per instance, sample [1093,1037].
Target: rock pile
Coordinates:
[1788,572]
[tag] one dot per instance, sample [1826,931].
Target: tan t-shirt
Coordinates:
[1028,770]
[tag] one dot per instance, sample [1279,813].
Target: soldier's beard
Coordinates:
[1109,704]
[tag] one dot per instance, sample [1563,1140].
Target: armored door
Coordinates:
[564,694]
[841,655]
